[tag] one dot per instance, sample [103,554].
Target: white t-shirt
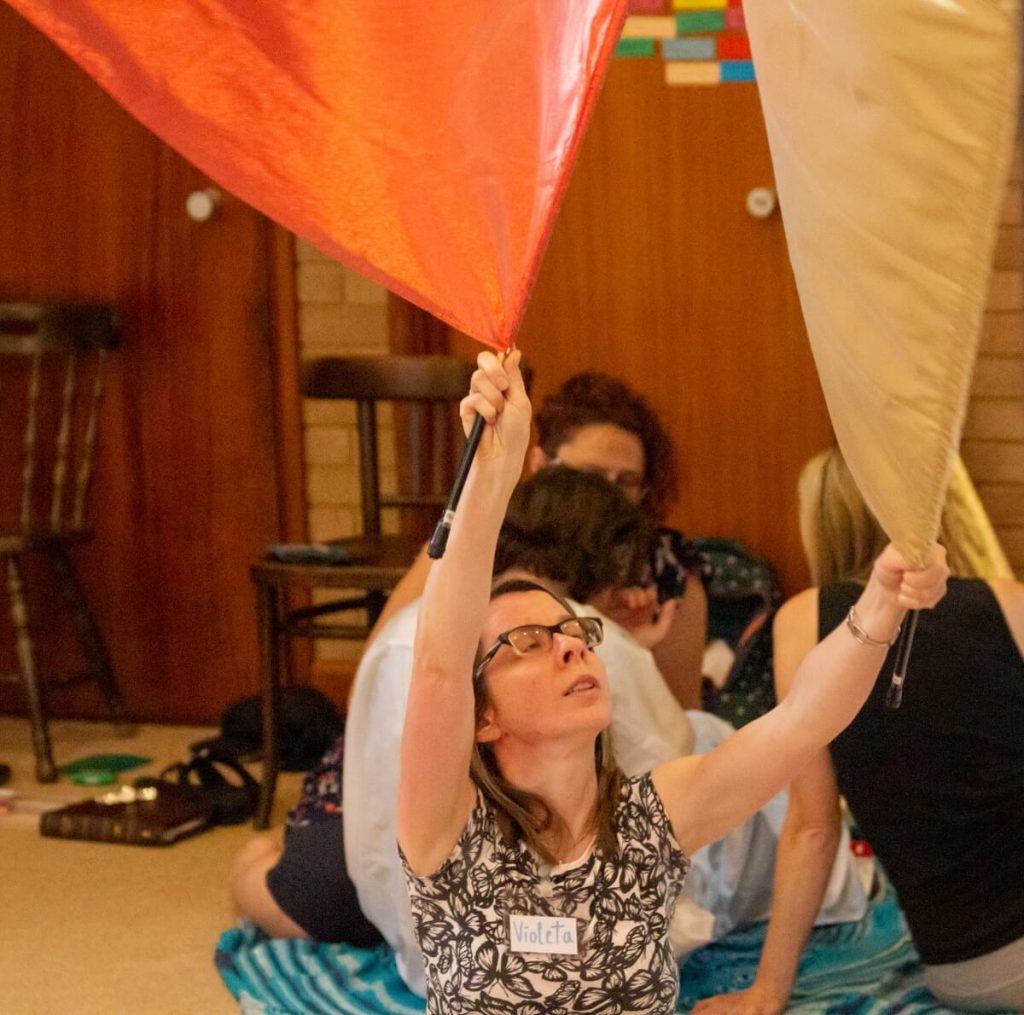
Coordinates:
[731,880]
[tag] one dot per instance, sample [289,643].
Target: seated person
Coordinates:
[937,786]
[578,534]
[595,423]
[304,890]
[540,875]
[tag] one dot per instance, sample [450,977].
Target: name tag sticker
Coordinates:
[549,935]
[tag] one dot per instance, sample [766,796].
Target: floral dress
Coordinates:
[320,799]
[622,906]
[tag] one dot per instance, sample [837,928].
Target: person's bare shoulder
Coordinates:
[794,634]
[1010,596]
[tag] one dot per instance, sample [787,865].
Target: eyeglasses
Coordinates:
[632,484]
[532,639]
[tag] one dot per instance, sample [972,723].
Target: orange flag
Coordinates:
[426,146]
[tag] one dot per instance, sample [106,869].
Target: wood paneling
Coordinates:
[93,206]
[657,273]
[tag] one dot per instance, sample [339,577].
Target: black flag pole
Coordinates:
[439,540]
[905,642]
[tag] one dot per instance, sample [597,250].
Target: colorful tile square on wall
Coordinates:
[702,42]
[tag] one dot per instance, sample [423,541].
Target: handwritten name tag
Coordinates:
[551,935]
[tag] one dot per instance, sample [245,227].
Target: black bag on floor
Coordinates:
[310,724]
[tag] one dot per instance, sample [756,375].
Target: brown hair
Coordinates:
[589,398]
[577,529]
[524,816]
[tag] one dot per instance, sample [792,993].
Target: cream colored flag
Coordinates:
[891,125]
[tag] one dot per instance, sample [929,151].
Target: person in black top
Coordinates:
[936,786]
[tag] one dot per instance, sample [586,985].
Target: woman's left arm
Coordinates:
[707,795]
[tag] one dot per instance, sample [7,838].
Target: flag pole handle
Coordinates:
[439,540]
[894,695]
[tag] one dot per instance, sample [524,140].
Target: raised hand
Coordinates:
[636,609]
[497,393]
[916,587]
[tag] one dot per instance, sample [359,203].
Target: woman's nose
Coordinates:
[568,648]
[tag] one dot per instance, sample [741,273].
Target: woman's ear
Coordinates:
[536,459]
[487,730]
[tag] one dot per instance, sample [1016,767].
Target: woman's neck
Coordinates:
[565,779]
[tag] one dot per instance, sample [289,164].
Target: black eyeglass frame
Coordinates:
[505,637]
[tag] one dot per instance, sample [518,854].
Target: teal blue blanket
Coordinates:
[866,968]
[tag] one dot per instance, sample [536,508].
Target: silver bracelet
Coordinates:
[854,624]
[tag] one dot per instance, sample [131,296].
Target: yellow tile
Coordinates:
[692,72]
[649,28]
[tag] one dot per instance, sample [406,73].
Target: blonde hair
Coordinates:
[841,536]
[524,816]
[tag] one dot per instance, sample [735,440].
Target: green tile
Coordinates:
[700,21]
[634,47]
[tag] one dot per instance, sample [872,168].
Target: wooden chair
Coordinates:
[420,388]
[52,359]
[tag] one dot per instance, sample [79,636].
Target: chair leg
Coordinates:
[89,635]
[46,771]
[270,663]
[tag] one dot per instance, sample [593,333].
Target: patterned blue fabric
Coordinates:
[864,968]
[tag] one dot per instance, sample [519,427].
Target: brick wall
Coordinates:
[993,444]
[340,312]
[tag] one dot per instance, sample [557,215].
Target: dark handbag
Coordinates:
[310,724]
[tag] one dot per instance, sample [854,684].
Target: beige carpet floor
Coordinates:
[102,929]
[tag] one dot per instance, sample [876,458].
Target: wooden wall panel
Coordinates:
[657,273]
[93,206]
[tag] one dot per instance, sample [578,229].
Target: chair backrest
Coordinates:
[426,388]
[52,359]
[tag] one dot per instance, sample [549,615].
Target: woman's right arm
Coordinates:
[435,795]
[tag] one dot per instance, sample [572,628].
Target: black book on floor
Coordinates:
[156,814]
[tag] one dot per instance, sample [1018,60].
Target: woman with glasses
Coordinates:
[540,878]
[596,423]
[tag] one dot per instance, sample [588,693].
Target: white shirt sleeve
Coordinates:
[373,734]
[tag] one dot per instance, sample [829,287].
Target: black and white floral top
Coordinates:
[623,909]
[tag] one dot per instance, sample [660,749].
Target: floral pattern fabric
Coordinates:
[622,905]
[321,789]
